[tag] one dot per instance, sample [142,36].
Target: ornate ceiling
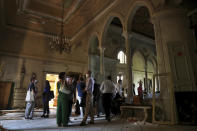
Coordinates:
[142,24]
[45,15]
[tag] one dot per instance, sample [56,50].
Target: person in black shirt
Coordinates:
[46,99]
[96,96]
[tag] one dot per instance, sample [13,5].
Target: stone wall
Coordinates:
[24,53]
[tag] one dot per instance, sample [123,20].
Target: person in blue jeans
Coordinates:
[30,104]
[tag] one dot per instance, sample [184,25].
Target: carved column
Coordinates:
[173,41]
[102,64]
[146,77]
[129,67]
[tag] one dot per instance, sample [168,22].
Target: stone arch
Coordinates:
[133,9]
[137,50]
[153,60]
[107,24]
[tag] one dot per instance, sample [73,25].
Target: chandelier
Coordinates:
[61,42]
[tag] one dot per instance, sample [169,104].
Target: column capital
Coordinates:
[127,35]
[101,48]
[168,14]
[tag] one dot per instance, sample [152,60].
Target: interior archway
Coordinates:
[114,42]
[143,39]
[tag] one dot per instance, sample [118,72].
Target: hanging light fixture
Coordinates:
[61,42]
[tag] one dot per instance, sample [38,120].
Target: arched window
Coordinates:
[122,57]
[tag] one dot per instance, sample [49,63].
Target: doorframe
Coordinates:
[48,72]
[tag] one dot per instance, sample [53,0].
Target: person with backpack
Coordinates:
[46,98]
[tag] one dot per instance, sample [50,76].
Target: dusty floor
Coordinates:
[15,121]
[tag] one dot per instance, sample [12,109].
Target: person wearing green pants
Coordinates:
[62,113]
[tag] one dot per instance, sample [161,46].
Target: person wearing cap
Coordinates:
[89,99]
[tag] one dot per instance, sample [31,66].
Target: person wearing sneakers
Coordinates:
[89,99]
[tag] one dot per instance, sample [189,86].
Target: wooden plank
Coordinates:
[5,88]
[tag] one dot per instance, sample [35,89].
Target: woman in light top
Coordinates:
[63,100]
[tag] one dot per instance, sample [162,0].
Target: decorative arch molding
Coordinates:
[153,58]
[138,51]
[107,23]
[133,9]
[154,63]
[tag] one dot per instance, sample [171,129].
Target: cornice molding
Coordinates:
[39,58]
[25,30]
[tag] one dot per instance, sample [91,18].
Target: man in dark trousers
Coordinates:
[96,96]
[72,84]
[108,90]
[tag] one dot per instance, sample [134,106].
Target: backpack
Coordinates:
[51,95]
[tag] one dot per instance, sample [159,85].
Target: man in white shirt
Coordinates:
[119,88]
[108,90]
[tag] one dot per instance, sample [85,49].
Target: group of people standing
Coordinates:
[46,97]
[66,96]
[87,95]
